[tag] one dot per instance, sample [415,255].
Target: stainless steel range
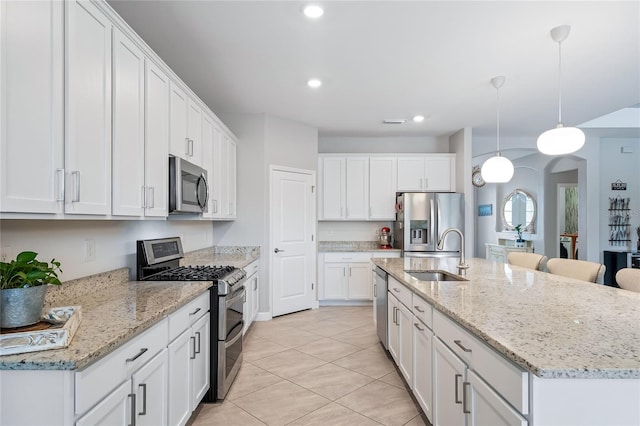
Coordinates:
[159,260]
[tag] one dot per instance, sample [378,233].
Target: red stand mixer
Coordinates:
[385,238]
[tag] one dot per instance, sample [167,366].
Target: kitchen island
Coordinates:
[578,342]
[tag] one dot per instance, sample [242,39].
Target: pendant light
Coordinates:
[497,169]
[560,140]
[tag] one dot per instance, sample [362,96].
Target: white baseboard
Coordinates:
[346,303]
[263,316]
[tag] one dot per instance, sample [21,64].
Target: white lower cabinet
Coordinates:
[250,308]
[112,410]
[151,388]
[189,359]
[423,366]
[487,407]
[448,381]
[400,336]
[394,332]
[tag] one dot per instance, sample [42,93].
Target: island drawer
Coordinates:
[511,382]
[99,379]
[422,310]
[184,317]
[402,293]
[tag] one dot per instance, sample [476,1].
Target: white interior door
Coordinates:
[292,240]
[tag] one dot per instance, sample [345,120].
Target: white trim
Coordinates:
[345,303]
[263,316]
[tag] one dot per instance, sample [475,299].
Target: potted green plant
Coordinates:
[519,240]
[23,286]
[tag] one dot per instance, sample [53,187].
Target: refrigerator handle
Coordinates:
[432,227]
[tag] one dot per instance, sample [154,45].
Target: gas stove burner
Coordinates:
[195,273]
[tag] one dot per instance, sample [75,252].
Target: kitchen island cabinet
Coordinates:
[527,347]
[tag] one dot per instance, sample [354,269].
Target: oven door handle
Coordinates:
[239,295]
[235,339]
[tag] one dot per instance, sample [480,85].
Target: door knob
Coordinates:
[277,250]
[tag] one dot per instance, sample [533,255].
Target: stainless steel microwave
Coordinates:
[188,188]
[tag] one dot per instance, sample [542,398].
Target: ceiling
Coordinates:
[395,59]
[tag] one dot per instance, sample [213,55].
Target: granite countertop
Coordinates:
[351,246]
[551,326]
[239,257]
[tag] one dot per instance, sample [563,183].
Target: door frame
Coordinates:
[314,220]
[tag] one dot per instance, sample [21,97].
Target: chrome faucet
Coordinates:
[462,264]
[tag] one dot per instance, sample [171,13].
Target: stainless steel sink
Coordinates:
[435,276]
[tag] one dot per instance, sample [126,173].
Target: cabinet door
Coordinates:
[88,106]
[179,145]
[207,159]
[422,366]
[382,188]
[156,166]
[31,110]
[438,172]
[128,127]
[254,297]
[357,188]
[449,376]
[335,281]
[180,353]
[360,281]
[200,362]
[114,409]
[218,179]
[405,342]
[151,386]
[393,326]
[231,176]
[487,407]
[332,187]
[194,132]
[410,173]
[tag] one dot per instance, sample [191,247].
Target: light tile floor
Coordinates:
[320,367]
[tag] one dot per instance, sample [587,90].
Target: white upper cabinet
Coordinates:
[382,188]
[179,145]
[231,175]
[222,181]
[156,163]
[431,172]
[357,188]
[31,108]
[207,160]
[332,188]
[194,132]
[128,127]
[88,106]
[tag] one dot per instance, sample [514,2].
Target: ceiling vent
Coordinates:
[396,121]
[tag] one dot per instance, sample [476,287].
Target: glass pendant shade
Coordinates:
[497,169]
[561,140]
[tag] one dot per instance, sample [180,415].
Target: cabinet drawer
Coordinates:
[184,317]
[504,376]
[96,381]
[252,268]
[403,294]
[422,310]
[347,257]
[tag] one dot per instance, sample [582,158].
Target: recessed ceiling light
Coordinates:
[314,83]
[313,11]
[418,118]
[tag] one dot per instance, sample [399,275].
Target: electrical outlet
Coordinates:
[89,250]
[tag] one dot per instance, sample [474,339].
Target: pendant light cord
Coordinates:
[497,120]
[559,82]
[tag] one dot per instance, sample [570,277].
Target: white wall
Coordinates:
[382,144]
[460,144]
[114,241]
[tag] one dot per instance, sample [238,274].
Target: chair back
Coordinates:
[527,260]
[579,269]
[629,279]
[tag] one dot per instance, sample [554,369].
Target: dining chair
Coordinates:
[629,279]
[527,260]
[579,269]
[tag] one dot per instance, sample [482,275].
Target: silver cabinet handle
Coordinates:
[193,340]
[191,147]
[195,312]
[419,309]
[133,409]
[418,326]
[426,183]
[277,250]
[198,334]
[420,183]
[186,146]
[395,315]
[344,271]
[457,376]
[138,355]
[349,270]
[152,197]
[374,291]
[459,343]
[144,197]
[396,290]
[215,206]
[76,187]
[144,399]
[60,173]
[255,283]
[464,397]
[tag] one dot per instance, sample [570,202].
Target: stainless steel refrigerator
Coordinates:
[420,220]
